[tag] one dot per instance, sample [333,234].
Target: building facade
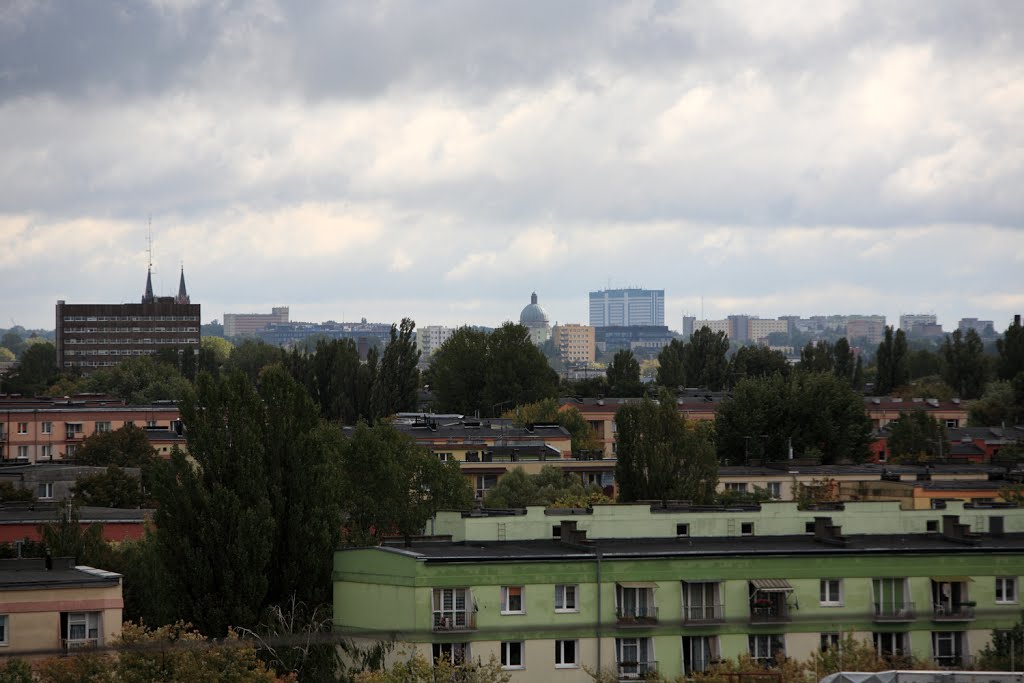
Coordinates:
[576,344]
[238,324]
[627,307]
[430,337]
[91,336]
[635,590]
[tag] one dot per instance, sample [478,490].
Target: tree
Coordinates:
[624,375]
[251,356]
[965,366]
[672,364]
[892,362]
[999,405]
[1005,651]
[127,446]
[1011,351]
[706,364]
[396,387]
[817,357]
[214,354]
[457,374]
[139,380]
[844,364]
[67,538]
[417,669]
[8,493]
[340,384]
[6,355]
[113,488]
[917,437]
[551,487]
[36,371]
[757,361]
[923,363]
[547,411]
[661,456]
[392,485]
[13,341]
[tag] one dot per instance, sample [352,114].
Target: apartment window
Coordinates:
[451,609]
[512,600]
[774,489]
[808,527]
[766,648]
[46,427]
[22,452]
[46,451]
[102,427]
[1006,590]
[830,641]
[80,628]
[635,601]
[70,450]
[443,457]
[635,657]
[953,423]
[453,653]
[23,427]
[746,529]
[831,592]
[736,487]
[698,653]
[702,601]
[565,654]
[44,490]
[512,654]
[948,648]
[682,529]
[484,483]
[3,629]
[891,645]
[931,525]
[891,598]
[565,598]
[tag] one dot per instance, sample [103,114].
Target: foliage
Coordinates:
[672,364]
[10,493]
[113,488]
[396,385]
[16,671]
[340,384]
[757,361]
[965,367]
[127,446]
[147,598]
[816,492]
[624,375]
[290,640]
[67,538]
[923,363]
[925,387]
[552,487]
[700,362]
[13,341]
[917,437]
[6,355]
[661,456]
[814,413]
[393,486]
[1011,351]
[214,353]
[417,669]
[891,361]
[1005,649]
[457,374]
[999,405]
[251,356]
[36,371]
[139,380]
[547,411]
[28,548]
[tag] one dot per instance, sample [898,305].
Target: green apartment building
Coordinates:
[633,589]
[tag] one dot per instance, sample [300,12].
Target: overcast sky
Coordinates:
[441,160]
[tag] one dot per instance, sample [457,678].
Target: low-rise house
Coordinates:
[20,521]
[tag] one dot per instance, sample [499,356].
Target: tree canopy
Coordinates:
[965,367]
[36,371]
[757,361]
[699,362]
[584,438]
[623,375]
[551,487]
[917,437]
[1011,351]
[139,380]
[892,362]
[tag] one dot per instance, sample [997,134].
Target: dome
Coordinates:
[534,315]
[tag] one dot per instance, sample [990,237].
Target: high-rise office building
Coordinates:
[627,307]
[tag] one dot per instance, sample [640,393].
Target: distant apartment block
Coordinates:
[91,336]
[627,307]
[644,340]
[745,328]
[430,337]
[982,327]
[908,321]
[829,324]
[366,335]
[575,343]
[237,324]
[869,330]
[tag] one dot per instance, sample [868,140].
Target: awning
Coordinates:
[772,585]
[637,584]
[951,579]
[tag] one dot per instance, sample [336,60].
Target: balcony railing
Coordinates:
[953,661]
[771,613]
[636,671]
[78,643]
[454,621]
[952,612]
[703,614]
[641,615]
[886,612]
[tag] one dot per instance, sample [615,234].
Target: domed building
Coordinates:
[535,319]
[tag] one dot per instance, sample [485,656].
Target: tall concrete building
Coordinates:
[236,324]
[430,337]
[908,321]
[745,328]
[575,343]
[91,336]
[627,307]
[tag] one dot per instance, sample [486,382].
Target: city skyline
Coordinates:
[442,162]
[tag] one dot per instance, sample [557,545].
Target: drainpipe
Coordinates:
[598,556]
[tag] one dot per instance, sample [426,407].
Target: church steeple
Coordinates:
[182,297]
[148,297]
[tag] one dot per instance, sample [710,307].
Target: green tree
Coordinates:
[672,365]
[16,670]
[392,485]
[661,456]
[339,382]
[36,371]
[214,354]
[1011,351]
[817,357]
[757,361]
[844,364]
[417,669]
[584,438]
[113,488]
[13,341]
[1005,651]
[965,366]
[892,361]
[396,387]
[516,371]
[923,363]
[66,537]
[997,406]
[251,356]
[624,375]
[706,363]
[139,380]
[458,373]
[551,487]
[9,493]
[917,437]
[127,446]
[6,355]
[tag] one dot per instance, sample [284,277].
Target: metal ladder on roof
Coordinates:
[501,531]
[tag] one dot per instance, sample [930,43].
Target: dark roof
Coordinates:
[32,574]
[42,513]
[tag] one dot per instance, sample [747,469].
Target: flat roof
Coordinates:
[31,574]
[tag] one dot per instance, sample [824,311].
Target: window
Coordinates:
[22,452]
[808,527]
[565,598]
[931,525]
[831,592]
[891,598]
[952,423]
[70,450]
[23,427]
[702,601]
[3,629]
[830,641]
[46,427]
[443,457]
[635,657]
[774,489]
[453,653]
[102,427]
[80,628]
[698,653]
[44,490]
[46,451]
[452,610]
[484,483]
[512,655]
[948,647]
[1006,590]
[635,602]
[747,529]
[565,654]
[512,600]
[891,645]
[736,487]
[766,648]
[682,529]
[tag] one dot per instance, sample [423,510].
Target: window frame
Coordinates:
[23,428]
[828,640]
[826,598]
[506,595]
[451,656]
[46,428]
[5,628]
[1001,583]
[506,655]
[44,490]
[566,589]
[560,660]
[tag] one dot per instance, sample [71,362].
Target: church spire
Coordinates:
[182,297]
[148,297]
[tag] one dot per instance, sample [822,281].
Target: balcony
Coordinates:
[451,622]
[636,671]
[963,611]
[638,616]
[953,661]
[704,614]
[894,613]
[769,612]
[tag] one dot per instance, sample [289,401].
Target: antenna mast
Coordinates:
[149,237]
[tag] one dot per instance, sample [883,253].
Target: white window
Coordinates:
[102,427]
[452,611]
[948,648]
[702,601]
[453,653]
[512,600]
[1006,590]
[736,487]
[443,457]
[765,648]
[44,490]
[830,641]
[46,451]
[565,654]
[774,489]
[891,645]
[3,629]
[565,598]
[46,427]
[22,452]
[831,592]
[698,653]
[23,427]
[484,483]
[81,628]
[635,657]
[512,655]
[70,450]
